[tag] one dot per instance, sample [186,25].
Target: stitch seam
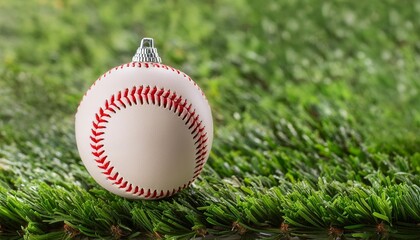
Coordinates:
[142,95]
[140,65]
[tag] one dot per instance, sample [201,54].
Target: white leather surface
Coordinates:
[148,145]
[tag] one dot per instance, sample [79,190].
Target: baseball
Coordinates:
[144,130]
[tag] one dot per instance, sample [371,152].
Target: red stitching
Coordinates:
[138,96]
[140,65]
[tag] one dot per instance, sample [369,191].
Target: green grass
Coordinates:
[316,106]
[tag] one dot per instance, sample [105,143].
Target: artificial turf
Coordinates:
[316,106]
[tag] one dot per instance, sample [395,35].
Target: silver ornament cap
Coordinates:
[147,52]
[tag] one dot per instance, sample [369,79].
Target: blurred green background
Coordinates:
[315,95]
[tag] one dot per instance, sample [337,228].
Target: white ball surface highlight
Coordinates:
[144,130]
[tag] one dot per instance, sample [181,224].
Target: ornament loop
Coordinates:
[147,52]
[145,41]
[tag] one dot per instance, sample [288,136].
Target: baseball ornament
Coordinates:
[144,130]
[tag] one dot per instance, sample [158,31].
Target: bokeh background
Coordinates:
[309,98]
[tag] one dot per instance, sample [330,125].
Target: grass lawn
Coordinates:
[316,106]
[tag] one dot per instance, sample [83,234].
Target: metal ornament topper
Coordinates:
[147,52]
